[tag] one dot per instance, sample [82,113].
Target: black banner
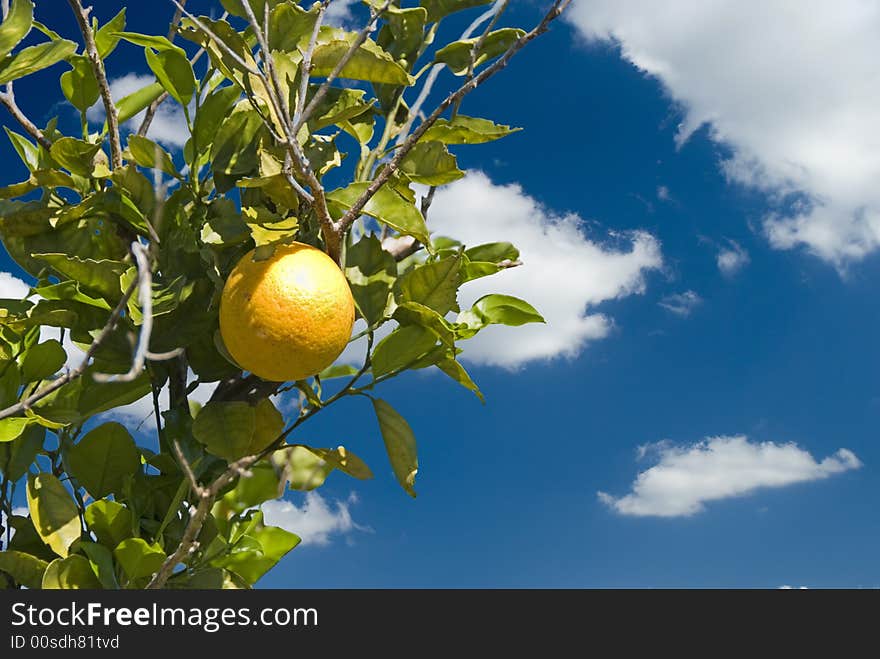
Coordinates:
[404,622]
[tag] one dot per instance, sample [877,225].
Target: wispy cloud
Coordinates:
[685,478]
[681,304]
[732,258]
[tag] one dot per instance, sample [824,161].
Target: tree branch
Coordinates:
[354,212]
[7,98]
[82,17]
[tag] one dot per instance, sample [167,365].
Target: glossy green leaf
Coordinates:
[35,58]
[226,428]
[387,206]
[26,569]
[138,558]
[42,360]
[173,70]
[338,371]
[370,271]
[400,444]
[344,460]
[103,459]
[79,85]
[26,150]
[338,104]
[12,428]
[101,561]
[304,469]
[437,9]
[107,36]
[235,151]
[500,309]
[19,454]
[466,130]
[434,284]
[430,163]
[148,41]
[10,382]
[288,25]
[401,348]
[53,511]
[212,113]
[457,55]
[75,155]
[101,277]
[146,153]
[413,313]
[456,371]
[493,252]
[370,62]
[71,573]
[110,521]
[129,106]
[16,25]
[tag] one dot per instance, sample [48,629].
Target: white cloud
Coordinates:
[663,193]
[732,258]
[169,124]
[339,12]
[790,87]
[564,273]
[12,288]
[681,304]
[315,521]
[686,478]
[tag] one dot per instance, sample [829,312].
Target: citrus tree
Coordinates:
[232,264]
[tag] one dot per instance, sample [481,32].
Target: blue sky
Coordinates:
[703,231]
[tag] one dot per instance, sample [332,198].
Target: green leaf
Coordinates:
[139,558]
[212,578]
[405,33]
[173,70]
[235,151]
[211,114]
[107,37]
[110,521]
[148,41]
[493,252]
[400,444]
[16,26]
[102,276]
[104,459]
[19,454]
[288,25]
[35,58]
[42,360]
[370,271]
[304,469]
[129,106]
[25,569]
[269,232]
[55,515]
[337,371]
[75,155]
[370,62]
[437,9]
[101,561]
[457,55]
[235,8]
[466,130]
[338,104]
[11,428]
[146,153]
[344,460]
[387,206]
[26,150]
[401,348]
[499,309]
[71,573]
[413,313]
[431,163]
[226,428]
[434,284]
[97,397]
[457,372]
[10,381]
[79,85]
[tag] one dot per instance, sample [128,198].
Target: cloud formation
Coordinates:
[685,478]
[566,273]
[681,304]
[316,521]
[731,258]
[790,87]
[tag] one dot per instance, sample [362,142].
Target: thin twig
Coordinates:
[354,212]
[222,44]
[82,17]
[345,59]
[306,67]
[145,296]
[8,100]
